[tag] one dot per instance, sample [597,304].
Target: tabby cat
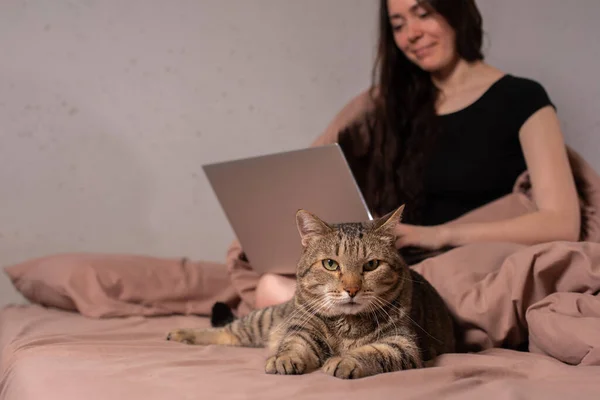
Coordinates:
[358,309]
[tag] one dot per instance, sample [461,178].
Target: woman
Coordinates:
[450,133]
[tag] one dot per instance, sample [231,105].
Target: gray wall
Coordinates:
[109,108]
[556,42]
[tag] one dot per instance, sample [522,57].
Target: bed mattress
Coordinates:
[51,354]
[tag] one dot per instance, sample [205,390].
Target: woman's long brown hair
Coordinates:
[403,125]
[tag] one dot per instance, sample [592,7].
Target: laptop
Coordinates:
[261,195]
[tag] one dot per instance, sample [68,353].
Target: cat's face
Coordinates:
[349,268]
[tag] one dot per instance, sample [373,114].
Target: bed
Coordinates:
[53,354]
[95,329]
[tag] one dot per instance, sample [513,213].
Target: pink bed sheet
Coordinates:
[48,354]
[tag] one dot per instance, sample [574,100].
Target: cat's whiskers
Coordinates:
[408,316]
[382,309]
[320,306]
[306,312]
[372,310]
[296,312]
[339,302]
[409,280]
[323,304]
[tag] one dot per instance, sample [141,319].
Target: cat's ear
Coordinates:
[387,224]
[310,226]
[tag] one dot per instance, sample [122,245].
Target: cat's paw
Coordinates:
[186,336]
[343,368]
[285,364]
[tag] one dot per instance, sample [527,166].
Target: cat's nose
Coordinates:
[352,290]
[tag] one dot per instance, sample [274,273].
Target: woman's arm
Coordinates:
[558,214]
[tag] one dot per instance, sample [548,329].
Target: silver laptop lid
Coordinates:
[260,197]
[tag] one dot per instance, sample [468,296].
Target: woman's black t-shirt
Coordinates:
[478,156]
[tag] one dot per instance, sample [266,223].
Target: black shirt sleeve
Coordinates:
[529,97]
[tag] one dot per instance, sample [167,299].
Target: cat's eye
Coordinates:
[371,265]
[330,265]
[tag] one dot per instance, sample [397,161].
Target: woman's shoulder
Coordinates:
[522,89]
[519,97]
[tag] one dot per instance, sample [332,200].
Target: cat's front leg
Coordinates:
[392,354]
[249,331]
[293,362]
[300,351]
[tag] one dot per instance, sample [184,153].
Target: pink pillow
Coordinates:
[115,285]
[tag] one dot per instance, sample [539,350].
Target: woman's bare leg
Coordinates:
[274,289]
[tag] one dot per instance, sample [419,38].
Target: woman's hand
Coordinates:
[425,237]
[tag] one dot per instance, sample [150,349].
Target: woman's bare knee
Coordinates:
[274,289]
